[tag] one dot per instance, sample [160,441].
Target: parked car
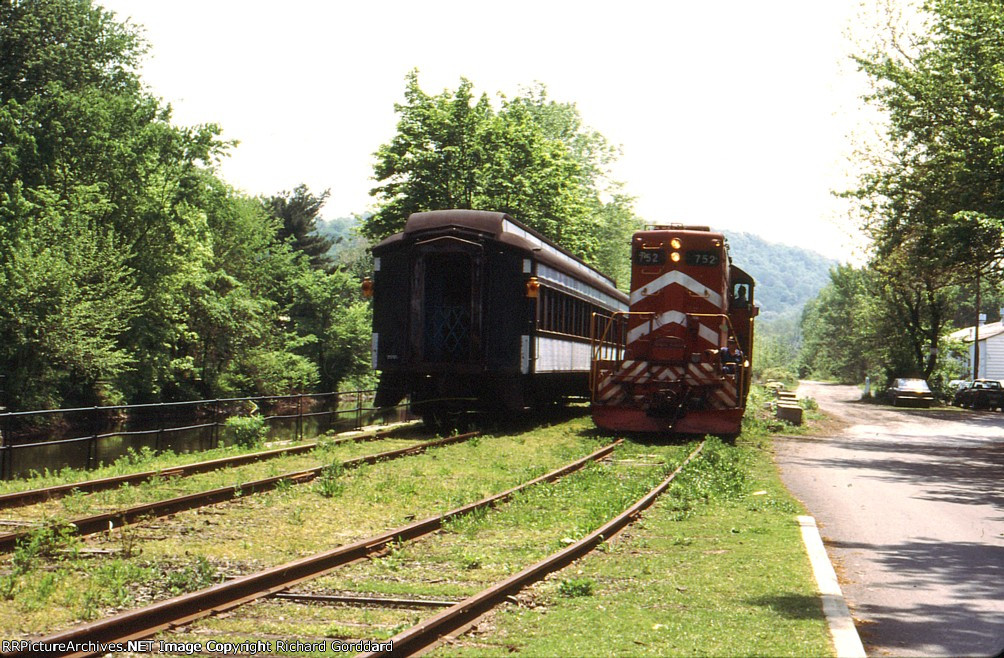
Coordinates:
[913,392]
[959,389]
[981,394]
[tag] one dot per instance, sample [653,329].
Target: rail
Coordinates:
[427,634]
[89,639]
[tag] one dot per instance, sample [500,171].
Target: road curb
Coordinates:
[838,616]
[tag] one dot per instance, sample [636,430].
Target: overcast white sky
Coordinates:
[733,113]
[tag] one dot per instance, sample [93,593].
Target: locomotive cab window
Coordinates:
[741,295]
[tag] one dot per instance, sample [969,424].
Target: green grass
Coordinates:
[135,461]
[716,567]
[710,570]
[275,527]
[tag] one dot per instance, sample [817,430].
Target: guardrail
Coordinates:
[90,436]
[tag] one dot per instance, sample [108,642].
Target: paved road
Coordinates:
[910,503]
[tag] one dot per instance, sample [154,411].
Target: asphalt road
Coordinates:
[910,504]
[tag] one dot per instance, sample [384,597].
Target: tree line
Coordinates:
[931,199]
[130,271]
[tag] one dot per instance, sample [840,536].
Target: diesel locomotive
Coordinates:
[678,361]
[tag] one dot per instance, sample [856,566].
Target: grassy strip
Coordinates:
[80,504]
[472,552]
[717,567]
[47,588]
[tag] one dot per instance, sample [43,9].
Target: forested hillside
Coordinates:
[787,277]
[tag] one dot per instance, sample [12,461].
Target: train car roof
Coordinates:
[505,228]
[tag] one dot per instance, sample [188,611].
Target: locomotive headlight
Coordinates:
[675,243]
[675,257]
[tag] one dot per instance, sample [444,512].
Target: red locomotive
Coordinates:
[679,359]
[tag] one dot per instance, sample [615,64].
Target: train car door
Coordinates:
[447,302]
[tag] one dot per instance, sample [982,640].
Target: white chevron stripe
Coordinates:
[614,390]
[685,280]
[708,335]
[644,329]
[672,317]
[724,397]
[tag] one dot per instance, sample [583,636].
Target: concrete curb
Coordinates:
[838,616]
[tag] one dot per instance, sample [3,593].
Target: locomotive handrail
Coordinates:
[598,342]
[740,367]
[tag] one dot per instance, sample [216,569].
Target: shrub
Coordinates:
[248,431]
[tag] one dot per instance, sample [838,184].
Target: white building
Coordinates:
[991,349]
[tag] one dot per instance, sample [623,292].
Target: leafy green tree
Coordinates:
[129,271]
[531,158]
[933,197]
[67,297]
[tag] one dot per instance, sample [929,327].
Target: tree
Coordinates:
[299,211]
[531,158]
[933,197]
[129,271]
[937,192]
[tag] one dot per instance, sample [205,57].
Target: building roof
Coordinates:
[986,331]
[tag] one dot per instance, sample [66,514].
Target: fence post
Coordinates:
[92,446]
[359,410]
[159,441]
[216,423]
[299,416]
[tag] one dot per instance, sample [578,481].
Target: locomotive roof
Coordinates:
[505,228]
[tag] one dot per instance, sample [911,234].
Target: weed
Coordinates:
[197,576]
[283,486]
[91,602]
[471,560]
[296,516]
[9,586]
[45,541]
[75,502]
[329,483]
[572,587]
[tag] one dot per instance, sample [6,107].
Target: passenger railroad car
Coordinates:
[474,310]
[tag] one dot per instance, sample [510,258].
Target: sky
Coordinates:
[732,114]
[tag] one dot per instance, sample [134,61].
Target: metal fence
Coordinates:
[52,439]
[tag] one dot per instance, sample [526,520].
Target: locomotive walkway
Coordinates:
[911,510]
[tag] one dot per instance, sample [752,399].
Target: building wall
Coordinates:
[991,358]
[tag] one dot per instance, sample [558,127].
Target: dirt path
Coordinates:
[911,507]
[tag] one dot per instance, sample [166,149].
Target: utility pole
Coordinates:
[976,335]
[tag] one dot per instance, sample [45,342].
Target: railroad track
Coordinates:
[114,632]
[462,616]
[101,522]
[32,496]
